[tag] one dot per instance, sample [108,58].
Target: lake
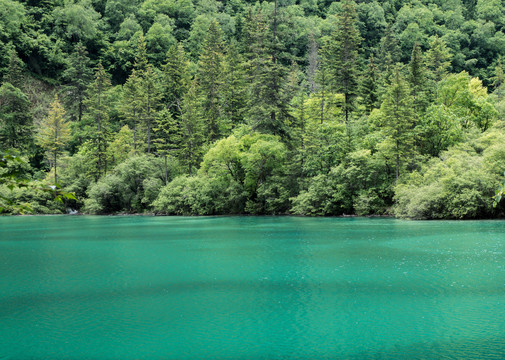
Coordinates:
[87,287]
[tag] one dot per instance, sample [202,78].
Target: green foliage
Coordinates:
[333,108]
[460,184]
[130,187]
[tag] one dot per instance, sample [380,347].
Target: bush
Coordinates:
[131,187]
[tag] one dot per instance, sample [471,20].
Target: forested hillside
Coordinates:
[239,107]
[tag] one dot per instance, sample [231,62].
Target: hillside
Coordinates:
[208,107]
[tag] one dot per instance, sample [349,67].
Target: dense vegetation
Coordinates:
[238,107]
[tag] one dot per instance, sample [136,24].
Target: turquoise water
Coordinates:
[250,288]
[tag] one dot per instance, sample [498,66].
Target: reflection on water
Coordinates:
[250,288]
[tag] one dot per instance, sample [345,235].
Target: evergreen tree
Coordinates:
[14,74]
[369,87]
[418,80]
[132,105]
[438,59]
[98,112]
[54,133]
[151,101]
[342,56]
[234,93]
[313,63]
[499,74]
[167,136]
[267,107]
[15,118]
[192,129]
[77,76]
[398,118]
[210,70]
[175,80]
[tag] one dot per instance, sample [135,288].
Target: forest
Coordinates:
[207,107]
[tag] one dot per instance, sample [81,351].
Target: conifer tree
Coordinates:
[369,86]
[151,101]
[438,59]
[54,133]
[77,76]
[313,63]
[342,56]
[175,79]
[417,79]
[398,118]
[167,136]
[98,112]
[267,107]
[14,74]
[132,105]
[192,129]
[15,118]
[499,74]
[234,93]
[210,70]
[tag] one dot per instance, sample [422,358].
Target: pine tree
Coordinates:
[499,74]
[98,112]
[267,108]
[398,118]
[77,76]
[14,74]
[54,133]
[167,137]
[438,59]
[175,80]
[369,86]
[418,80]
[342,56]
[15,119]
[314,62]
[234,93]
[151,101]
[132,105]
[210,70]
[192,129]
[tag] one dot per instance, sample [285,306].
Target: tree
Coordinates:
[369,86]
[15,118]
[210,76]
[267,105]
[397,117]
[175,79]
[342,56]
[418,79]
[98,112]
[192,126]
[77,75]
[235,91]
[438,59]
[54,133]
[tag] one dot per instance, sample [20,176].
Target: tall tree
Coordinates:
[210,77]
[77,76]
[54,133]
[369,86]
[234,93]
[397,115]
[418,80]
[175,79]
[151,101]
[15,118]
[14,74]
[267,106]
[438,59]
[342,56]
[98,112]
[192,129]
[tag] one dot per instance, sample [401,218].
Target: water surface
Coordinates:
[250,288]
